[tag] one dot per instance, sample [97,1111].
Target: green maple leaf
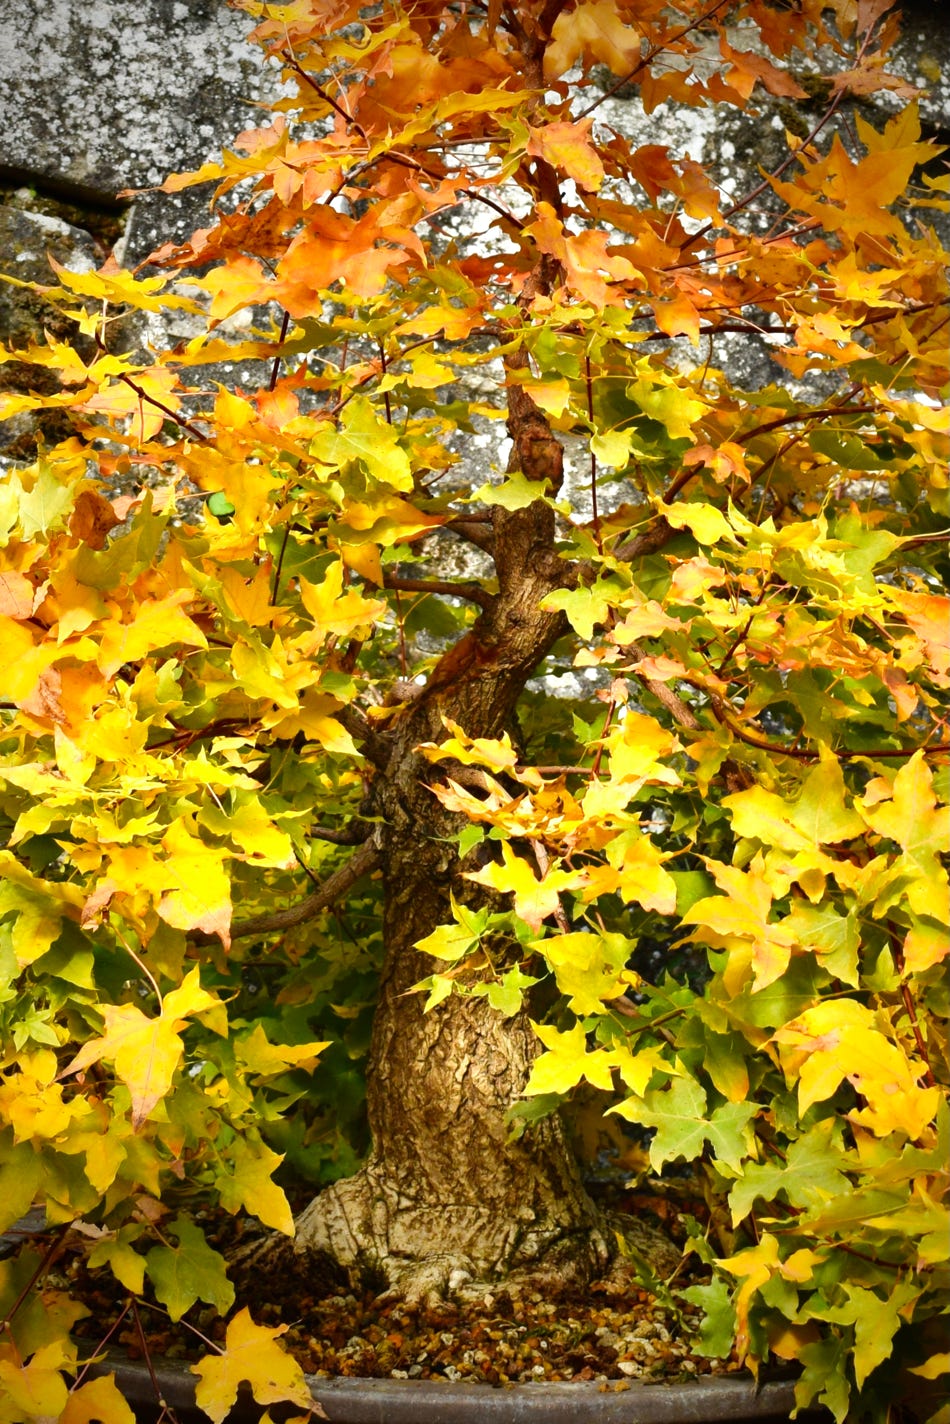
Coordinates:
[507,995]
[875,1322]
[21,1178]
[190,1271]
[729,1133]
[672,407]
[44,507]
[825,1377]
[363,437]
[516,492]
[835,937]
[718,1327]
[678,1114]
[811,1175]
[249,1184]
[584,606]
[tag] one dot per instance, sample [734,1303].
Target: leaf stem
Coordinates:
[52,1251]
[159,1397]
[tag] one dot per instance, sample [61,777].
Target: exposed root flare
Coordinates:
[361,1231]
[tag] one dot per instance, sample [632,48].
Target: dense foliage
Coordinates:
[261,548]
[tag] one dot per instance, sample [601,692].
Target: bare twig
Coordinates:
[726,717]
[682,715]
[144,396]
[473,531]
[649,57]
[646,542]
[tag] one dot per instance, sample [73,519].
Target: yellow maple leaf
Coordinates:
[249,598]
[593,31]
[840,1040]
[99,1400]
[567,146]
[706,523]
[534,899]
[39,907]
[334,611]
[199,895]
[925,946]
[313,717]
[118,286]
[636,875]
[238,283]
[738,921]
[586,257]
[385,520]
[471,751]
[145,1051]
[757,1265]
[33,1104]
[909,815]
[251,1355]
[249,1184]
[35,1390]
[258,1055]
[567,1061]
[635,746]
[817,816]
[590,968]
[157,624]
[264,672]
[17,595]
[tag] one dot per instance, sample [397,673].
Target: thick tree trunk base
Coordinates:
[425,1251]
[360,1233]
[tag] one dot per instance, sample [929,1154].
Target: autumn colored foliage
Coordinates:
[224,593]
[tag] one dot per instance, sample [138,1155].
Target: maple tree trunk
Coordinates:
[445,1195]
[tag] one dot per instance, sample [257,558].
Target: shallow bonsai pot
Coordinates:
[389,1401]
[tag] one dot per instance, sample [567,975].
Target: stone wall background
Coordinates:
[101,96]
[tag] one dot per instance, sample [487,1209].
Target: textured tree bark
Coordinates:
[445,1196]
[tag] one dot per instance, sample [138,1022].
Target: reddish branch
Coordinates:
[650,56]
[174,415]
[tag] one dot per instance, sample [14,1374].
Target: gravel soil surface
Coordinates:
[500,1338]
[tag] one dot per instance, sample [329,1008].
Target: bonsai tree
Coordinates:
[442,623]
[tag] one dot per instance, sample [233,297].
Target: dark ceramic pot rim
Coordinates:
[390,1401]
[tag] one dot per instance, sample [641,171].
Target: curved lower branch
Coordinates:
[474,592]
[360,863]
